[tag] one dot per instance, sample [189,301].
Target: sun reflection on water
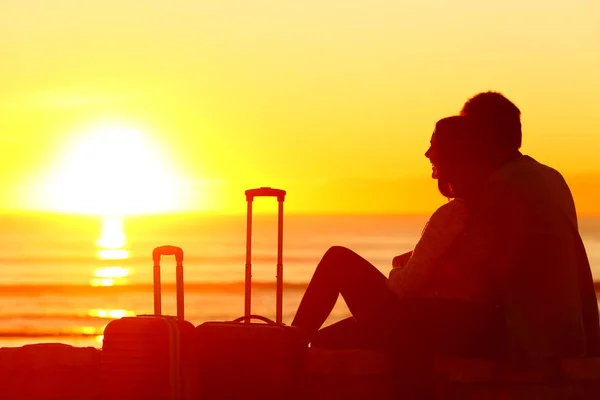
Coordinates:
[107,313]
[111,272]
[112,251]
[89,330]
[111,243]
[113,235]
[113,254]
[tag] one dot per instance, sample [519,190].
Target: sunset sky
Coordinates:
[145,106]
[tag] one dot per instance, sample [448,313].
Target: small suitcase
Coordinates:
[253,360]
[151,356]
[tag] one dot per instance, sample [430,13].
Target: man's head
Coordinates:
[497,119]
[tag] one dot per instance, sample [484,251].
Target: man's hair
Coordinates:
[495,114]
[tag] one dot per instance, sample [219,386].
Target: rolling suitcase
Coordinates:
[246,359]
[151,356]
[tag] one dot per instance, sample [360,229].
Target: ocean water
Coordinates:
[64,277]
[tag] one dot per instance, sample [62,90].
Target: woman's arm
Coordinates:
[401,260]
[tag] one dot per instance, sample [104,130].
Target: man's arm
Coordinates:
[528,263]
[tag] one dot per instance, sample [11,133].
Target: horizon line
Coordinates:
[238,213]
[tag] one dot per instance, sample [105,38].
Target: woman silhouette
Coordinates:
[425,291]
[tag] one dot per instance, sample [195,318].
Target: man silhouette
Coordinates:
[524,232]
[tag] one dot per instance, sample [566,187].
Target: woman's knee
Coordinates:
[333,258]
[337,252]
[337,257]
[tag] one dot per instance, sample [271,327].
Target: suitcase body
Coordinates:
[251,361]
[151,356]
[253,357]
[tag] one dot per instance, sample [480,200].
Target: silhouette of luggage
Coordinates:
[246,359]
[151,356]
[49,371]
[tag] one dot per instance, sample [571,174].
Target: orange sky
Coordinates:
[333,102]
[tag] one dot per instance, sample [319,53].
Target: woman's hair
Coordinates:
[457,151]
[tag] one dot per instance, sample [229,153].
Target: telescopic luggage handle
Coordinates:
[251,317]
[250,195]
[265,192]
[156,255]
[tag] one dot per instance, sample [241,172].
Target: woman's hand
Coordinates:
[401,260]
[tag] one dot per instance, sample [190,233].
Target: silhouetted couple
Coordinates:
[499,271]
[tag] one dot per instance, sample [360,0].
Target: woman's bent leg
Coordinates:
[342,334]
[363,287]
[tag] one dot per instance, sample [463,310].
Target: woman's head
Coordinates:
[454,155]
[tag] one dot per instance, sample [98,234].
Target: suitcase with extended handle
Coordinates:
[253,357]
[151,356]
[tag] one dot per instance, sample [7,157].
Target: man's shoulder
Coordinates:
[536,190]
[529,176]
[527,167]
[528,162]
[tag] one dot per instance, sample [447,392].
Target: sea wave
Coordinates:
[190,287]
[9,334]
[77,259]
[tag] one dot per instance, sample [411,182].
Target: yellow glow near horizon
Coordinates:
[113,170]
[333,101]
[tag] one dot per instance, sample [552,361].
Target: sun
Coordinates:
[114,171]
